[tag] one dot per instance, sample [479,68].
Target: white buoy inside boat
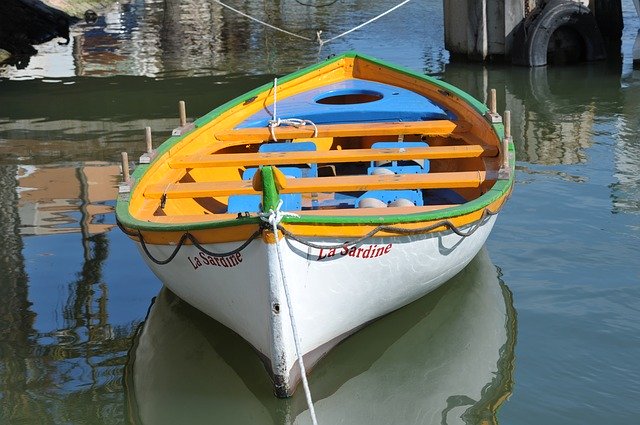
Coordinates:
[371,203]
[402,202]
[381,171]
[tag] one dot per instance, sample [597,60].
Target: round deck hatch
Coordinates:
[348,97]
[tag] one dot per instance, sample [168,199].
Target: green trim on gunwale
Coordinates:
[499,189]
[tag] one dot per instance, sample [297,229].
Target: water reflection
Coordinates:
[66,199]
[555,111]
[626,190]
[186,38]
[568,116]
[447,358]
[61,349]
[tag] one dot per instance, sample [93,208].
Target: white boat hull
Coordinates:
[446,358]
[333,293]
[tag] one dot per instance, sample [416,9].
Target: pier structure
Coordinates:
[533,32]
[636,45]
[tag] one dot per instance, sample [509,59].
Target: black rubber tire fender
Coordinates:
[531,38]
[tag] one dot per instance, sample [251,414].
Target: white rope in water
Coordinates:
[362,25]
[274,218]
[318,38]
[262,22]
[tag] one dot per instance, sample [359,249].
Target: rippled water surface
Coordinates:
[542,327]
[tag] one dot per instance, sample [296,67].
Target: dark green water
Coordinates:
[543,326]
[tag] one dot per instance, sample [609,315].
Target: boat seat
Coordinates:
[396,167]
[293,147]
[290,202]
[391,196]
[399,167]
[251,203]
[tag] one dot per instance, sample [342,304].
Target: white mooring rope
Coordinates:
[318,38]
[274,218]
[277,122]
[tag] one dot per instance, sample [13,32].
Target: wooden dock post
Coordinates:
[481,30]
[636,44]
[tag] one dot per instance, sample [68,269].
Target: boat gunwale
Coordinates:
[499,189]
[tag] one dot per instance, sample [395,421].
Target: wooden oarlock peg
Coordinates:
[182,109]
[146,157]
[492,114]
[184,126]
[125,186]
[505,169]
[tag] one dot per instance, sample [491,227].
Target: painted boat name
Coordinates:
[372,251]
[208,260]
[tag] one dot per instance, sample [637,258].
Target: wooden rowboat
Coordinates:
[300,211]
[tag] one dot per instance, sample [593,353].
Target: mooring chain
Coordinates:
[181,242]
[392,229]
[382,228]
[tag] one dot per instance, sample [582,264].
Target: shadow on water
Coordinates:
[447,358]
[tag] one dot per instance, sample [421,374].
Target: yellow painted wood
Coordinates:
[339,231]
[199,190]
[451,180]
[386,182]
[435,127]
[364,212]
[334,156]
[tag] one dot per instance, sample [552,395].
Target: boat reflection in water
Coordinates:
[444,359]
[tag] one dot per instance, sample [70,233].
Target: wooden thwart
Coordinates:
[333,156]
[431,128]
[455,180]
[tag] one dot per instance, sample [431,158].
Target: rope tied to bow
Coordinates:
[277,122]
[274,217]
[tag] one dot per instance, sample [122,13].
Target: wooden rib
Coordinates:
[333,156]
[202,189]
[432,128]
[451,180]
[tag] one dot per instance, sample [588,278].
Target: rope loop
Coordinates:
[274,217]
[277,122]
[294,122]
